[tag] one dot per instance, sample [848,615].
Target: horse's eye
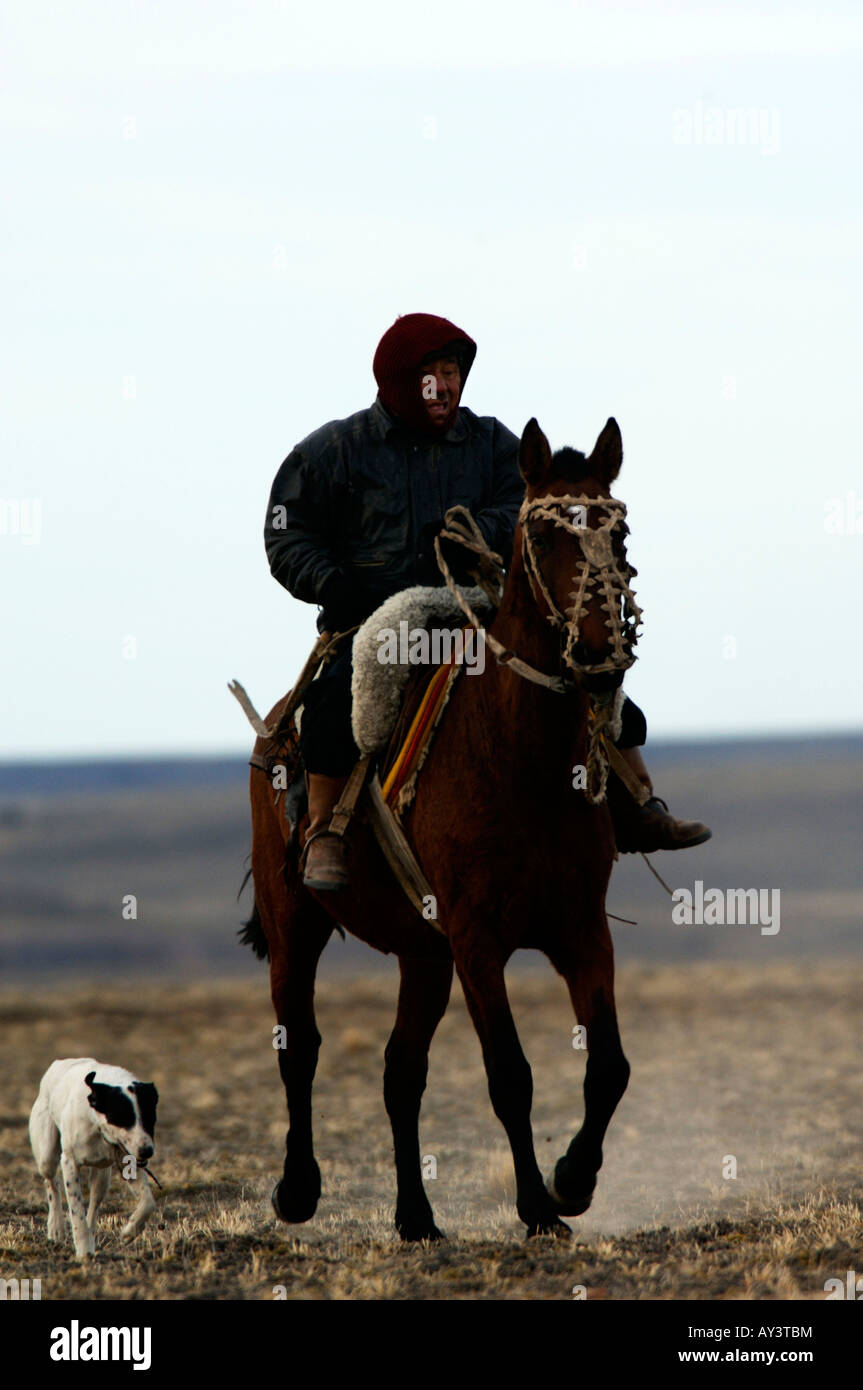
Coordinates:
[539,541]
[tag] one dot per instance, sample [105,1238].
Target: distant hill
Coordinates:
[77,837]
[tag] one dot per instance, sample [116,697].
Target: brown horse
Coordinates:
[516,857]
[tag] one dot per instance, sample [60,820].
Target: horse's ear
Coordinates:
[607,456]
[534,455]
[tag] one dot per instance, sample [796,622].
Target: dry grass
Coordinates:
[762,1066]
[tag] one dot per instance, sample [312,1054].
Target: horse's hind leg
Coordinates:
[590,979]
[423,997]
[510,1086]
[295,948]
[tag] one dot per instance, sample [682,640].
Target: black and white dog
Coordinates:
[88,1115]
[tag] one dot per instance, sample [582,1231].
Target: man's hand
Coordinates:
[340,602]
[460,560]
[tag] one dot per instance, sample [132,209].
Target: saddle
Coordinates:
[397,706]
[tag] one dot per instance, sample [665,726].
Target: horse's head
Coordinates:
[573,547]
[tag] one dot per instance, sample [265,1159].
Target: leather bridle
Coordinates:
[599,573]
[599,568]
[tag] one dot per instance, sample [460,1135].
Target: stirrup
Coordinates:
[340,877]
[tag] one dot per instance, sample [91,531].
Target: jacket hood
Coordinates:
[405,347]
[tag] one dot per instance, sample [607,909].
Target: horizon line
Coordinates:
[231,754]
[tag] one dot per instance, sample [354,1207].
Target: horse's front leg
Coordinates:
[296,940]
[590,979]
[510,1086]
[423,997]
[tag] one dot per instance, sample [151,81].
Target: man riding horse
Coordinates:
[354,511]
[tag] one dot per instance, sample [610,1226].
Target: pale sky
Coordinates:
[213,211]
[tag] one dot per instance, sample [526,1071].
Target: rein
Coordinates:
[468,534]
[598,569]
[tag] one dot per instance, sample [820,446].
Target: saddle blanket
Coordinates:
[419,626]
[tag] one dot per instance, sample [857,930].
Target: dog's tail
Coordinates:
[252,932]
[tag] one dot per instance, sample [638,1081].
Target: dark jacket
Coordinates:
[363,497]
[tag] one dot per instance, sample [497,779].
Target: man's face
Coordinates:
[440,383]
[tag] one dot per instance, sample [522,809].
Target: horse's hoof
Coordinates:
[294,1206]
[550,1227]
[569,1206]
[411,1232]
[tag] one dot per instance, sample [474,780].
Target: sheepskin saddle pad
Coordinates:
[381,655]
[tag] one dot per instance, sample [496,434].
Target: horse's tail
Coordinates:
[252,932]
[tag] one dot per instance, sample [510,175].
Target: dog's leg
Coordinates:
[146,1204]
[98,1187]
[55,1206]
[45,1143]
[85,1243]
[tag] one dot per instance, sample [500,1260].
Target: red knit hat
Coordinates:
[401,352]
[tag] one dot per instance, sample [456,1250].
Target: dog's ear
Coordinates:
[88,1081]
[145,1088]
[148,1099]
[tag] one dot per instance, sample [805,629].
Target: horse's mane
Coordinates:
[570,464]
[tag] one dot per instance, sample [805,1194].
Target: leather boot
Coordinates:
[324,862]
[643,829]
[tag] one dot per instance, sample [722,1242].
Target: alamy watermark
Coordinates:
[21,516]
[843,516]
[713,907]
[18,1290]
[850,1287]
[77,1343]
[758,127]
[437,646]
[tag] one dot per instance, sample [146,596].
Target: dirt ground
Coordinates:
[733,1069]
